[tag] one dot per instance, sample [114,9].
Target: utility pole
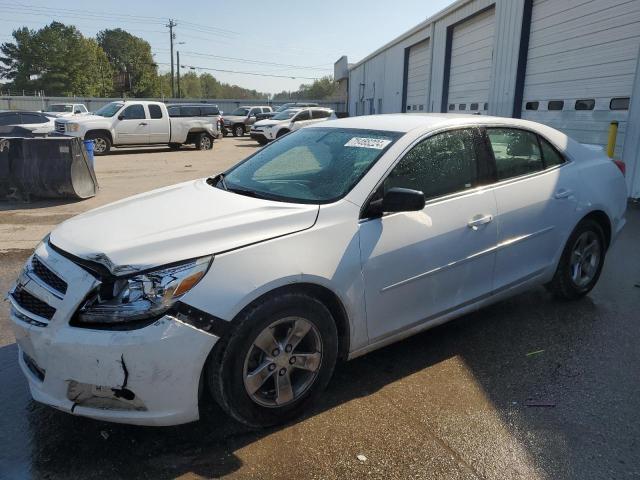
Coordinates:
[172,36]
[178,60]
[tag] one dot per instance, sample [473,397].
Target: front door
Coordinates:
[421,265]
[132,126]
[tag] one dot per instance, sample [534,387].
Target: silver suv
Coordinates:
[240,120]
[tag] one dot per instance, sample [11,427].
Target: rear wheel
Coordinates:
[204,142]
[279,358]
[238,130]
[101,143]
[581,262]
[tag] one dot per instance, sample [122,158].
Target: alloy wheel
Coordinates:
[585,258]
[283,362]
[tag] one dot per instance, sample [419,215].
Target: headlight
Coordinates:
[143,296]
[72,127]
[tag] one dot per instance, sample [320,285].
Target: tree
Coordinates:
[321,89]
[57,59]
[190,86]
[131,57]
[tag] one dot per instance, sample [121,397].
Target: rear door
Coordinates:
[537,204]
[159,131]
[132,126]
[421,265]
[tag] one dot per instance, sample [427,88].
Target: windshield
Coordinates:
[284,107]
[311,165]
[287,114]
[61,108]
[110,109]
[241,112]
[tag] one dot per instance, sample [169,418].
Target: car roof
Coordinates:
[405,122]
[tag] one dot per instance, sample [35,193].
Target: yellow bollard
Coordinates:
[613,134]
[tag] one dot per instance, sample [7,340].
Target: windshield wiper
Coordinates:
[217,180]
[249,193]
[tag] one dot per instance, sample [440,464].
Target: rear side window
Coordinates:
[316,114]
[440,165]
[134,112]
[550,155]
[32,118]
[516,152]
[209,111]
[174,111]
[189,111]
[10,119]
[155,111]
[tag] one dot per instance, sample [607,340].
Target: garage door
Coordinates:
[418,72]
[581,65]
[471,59]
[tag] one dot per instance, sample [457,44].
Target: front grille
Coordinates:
[32,304]
[47,276]
[59,127]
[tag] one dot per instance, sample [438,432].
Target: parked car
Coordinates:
[66,109]
[282,108]
[334,241]
[240,120]
[35,122]
[135,122]
[197,110]
[288,121]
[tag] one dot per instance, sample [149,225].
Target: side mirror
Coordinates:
[397,200]
[120,117]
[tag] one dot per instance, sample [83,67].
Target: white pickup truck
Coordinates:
[136,123]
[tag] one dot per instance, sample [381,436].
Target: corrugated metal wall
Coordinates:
[597,61]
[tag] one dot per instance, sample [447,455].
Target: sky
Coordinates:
[284,38]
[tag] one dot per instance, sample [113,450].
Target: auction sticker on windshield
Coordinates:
[364,142]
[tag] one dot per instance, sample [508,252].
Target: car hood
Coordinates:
[233,118]
[80,118]
[179,222]
[268,123]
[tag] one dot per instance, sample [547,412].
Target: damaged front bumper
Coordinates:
[146,376]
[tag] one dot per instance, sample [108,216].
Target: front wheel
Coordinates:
[581,262]
[279,358]
[101,143]
[238,131]
[204,142]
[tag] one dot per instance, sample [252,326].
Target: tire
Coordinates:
[101,143]
[204,141]
[238,130]
[281,133]
[175,146]
[234,358]
[578,273]
[262,141]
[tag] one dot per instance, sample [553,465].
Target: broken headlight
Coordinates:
[142,296]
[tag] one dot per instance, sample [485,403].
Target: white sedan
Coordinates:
[326,244]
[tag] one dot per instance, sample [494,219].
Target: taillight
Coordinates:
[620,164]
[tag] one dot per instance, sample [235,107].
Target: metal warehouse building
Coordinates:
[571,64]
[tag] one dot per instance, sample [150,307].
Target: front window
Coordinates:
[312,165]
[110,109]
[285,115]
[240,112]
[61,108]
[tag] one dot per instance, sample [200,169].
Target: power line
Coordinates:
[254,62]
[295,77]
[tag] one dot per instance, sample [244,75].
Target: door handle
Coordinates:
[478,220]
[563,193]
[142,123]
